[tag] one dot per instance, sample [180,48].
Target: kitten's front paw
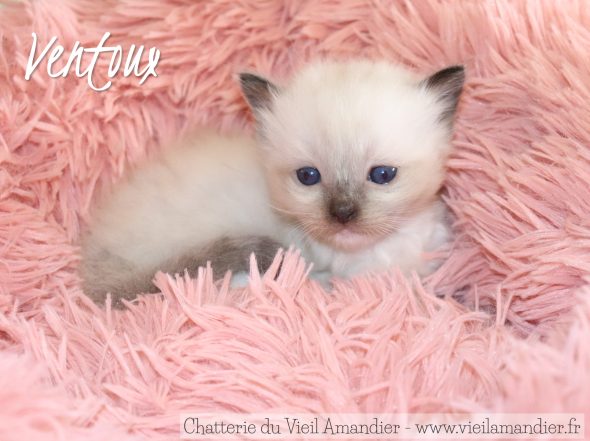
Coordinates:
[239,280]
[324,278]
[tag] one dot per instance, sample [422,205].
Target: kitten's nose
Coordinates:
[343,211]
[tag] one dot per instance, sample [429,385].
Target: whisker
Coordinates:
[285,211]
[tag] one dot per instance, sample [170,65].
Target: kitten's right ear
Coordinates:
[259,92]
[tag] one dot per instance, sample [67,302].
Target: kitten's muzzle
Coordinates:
[343,210]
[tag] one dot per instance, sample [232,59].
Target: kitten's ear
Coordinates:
[259,92]
[447,85]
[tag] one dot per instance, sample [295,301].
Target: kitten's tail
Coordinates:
[103,272]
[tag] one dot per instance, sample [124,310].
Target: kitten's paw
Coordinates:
[324,278]
[239,280]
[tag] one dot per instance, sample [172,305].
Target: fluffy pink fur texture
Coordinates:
[510,330]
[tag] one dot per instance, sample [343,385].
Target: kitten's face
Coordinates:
[353,149]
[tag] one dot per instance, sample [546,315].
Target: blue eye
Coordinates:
[308,175]
[382,174]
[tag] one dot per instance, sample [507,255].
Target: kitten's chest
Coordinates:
[340,264]
[404,249]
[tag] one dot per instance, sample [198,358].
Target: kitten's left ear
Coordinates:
[447,85]
[259,92]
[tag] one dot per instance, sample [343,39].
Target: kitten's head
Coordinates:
[353,149]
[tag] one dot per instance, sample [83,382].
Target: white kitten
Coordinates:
[349,161]
[354,159]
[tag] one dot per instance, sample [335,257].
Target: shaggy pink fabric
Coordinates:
[511,332]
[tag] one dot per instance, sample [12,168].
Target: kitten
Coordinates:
[348,165]
[354,160]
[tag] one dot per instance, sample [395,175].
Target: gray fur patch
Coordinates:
[227,254]
[105,273]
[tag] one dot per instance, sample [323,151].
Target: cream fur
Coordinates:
[195,192]
[206,188]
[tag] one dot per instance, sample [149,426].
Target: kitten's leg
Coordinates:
[105,273]
[233,253]
[324,278]
[240,279]
[229,254]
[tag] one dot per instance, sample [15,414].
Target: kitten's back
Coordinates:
[206,188]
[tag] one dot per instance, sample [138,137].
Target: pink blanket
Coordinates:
[510,331]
